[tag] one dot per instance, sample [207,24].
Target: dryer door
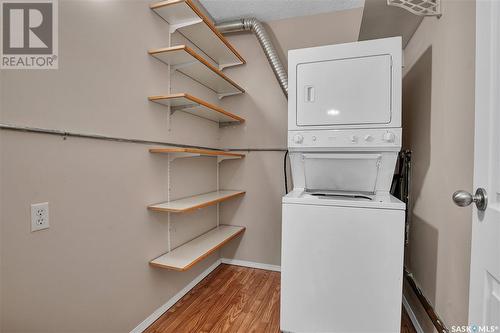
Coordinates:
[351,91]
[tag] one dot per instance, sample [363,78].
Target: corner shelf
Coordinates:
[185,17]
[190,104]
[183,59]
[187,255]
[195,152]
[195,202]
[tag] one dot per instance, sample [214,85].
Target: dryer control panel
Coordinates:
[384,139]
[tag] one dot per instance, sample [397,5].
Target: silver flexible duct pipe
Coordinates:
[254,25]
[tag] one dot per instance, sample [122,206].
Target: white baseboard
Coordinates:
[251,264]
[162,309]
[412,316]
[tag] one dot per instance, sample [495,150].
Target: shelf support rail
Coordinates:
[218,188]
[169,242]
[170,113]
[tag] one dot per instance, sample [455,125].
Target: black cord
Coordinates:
[284,170]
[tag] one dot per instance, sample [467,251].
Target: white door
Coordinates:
[484,297]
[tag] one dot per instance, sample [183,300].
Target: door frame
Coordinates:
[486,88]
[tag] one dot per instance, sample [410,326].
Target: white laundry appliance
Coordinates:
[342,232]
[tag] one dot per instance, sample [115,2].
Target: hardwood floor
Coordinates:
[406,324]
[232,299]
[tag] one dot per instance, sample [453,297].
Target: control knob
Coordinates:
[389,137]
[297,138]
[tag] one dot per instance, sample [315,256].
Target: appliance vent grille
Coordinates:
[419,7]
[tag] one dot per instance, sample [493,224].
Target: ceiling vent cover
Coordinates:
[419,7]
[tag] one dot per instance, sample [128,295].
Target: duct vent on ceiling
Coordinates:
[419,7]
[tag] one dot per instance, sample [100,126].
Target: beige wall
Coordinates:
[315,30]
[438,107]
[89,272]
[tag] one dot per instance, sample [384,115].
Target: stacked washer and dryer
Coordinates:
[342,232]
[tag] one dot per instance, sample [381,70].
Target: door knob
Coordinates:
[464,198]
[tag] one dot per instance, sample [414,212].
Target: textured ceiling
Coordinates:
[270,10]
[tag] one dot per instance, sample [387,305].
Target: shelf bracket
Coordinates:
[173,109]
[228,123]
[231,64]
[223,158]
[183,155]
[185,64]
[222,95]
[173,27]
[185,106]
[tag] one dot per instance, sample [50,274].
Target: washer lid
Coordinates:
[344,199]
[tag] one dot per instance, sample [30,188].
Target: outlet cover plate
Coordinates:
[39,216]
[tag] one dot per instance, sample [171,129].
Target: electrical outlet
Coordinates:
[39,216]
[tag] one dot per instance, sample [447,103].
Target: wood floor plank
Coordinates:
[259,322]
[248,299]
[222,304]
[194,317]
[274,323]
[232,299]
[252,316]
[229,319]
[197,294]
[271,313]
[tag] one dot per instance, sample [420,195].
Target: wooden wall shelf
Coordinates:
[196,201]
[185,17]
[192,252]
[190,104]
[188,62]
[195,152]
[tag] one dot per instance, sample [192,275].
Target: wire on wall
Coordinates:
[66,134]
[284,171]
